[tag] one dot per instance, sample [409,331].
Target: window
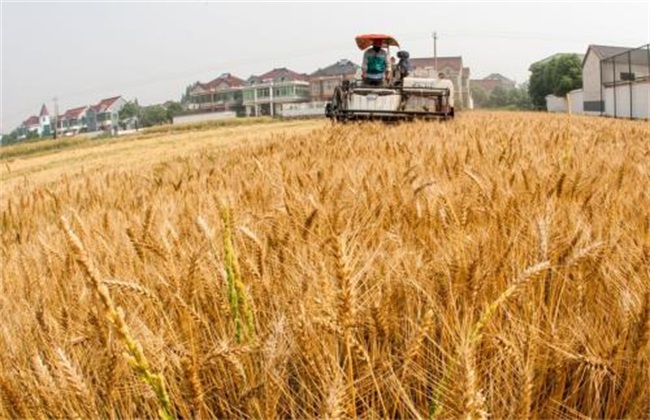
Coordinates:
[627,77]
[283,91]
[263,93]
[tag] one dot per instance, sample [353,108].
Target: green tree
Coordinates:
[153,115]
[185,98]
[173,109]
[520,97]
[557,76]
[129,110]
[499,98]
[10,138]
[32,135]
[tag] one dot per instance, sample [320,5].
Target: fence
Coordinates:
[625,88]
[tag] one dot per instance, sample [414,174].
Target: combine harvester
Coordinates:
[400,98]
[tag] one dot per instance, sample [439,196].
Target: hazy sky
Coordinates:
[82,52]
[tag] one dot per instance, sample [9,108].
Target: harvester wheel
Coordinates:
[338,104]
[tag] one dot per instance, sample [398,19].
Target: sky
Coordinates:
[83,51]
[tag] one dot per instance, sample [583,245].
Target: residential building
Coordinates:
[452,68]
[105,115]
[266,94]
[31,125]
[605,70]
[223,94]
[73,121]
[615,80]
[323,81]
[494,80]
[40,124]
[44,122]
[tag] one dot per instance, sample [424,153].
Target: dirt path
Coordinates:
[32,170]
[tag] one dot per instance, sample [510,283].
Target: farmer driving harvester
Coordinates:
[389,93]
[375,68]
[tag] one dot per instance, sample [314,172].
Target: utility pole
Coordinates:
[435,53]
[56,114]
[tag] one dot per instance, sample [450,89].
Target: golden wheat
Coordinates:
[493,266]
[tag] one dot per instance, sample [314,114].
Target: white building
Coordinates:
[40,124]
[615,82]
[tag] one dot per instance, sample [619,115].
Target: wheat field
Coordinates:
[493,266]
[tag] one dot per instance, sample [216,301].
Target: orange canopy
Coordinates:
[365,41]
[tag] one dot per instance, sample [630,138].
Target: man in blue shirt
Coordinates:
[375,65]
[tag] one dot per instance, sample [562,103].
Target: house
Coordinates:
[267,93]
[73,121]
[323,81]
[223,94]
[452,68]
[44,122]
[616,81]
[31,125]
[494,80]
[105,115]
[38,124]
[591,75]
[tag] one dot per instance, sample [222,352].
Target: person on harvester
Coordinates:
[375,65]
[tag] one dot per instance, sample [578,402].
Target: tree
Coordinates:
[499,98]
[10,138]
[153,115]
[173,108]
[518,98]
[557,76]
[129,110]
[185,98]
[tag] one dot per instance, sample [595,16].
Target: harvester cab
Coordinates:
[399,96]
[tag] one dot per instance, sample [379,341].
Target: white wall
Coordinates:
[591,77]
[206,116]
[303,109]
[640,100]
[555,104]
[576,101]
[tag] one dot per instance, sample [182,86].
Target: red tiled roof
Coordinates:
[44,112]
[33,120]
[74,112]
[227,78]
[203,86]
[104,104]
[452,62]
[283,72]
